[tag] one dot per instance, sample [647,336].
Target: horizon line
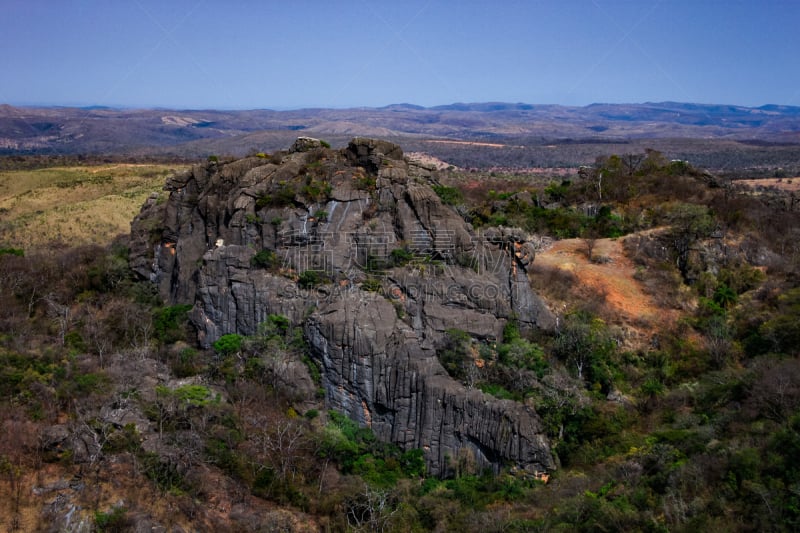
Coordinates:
[280,109]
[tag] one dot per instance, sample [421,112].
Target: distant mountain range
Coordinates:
[97,129]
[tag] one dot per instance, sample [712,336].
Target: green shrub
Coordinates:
[317,191]
[448,195]
[75,342]
[498,391]
[276,325]
[558,191]
[310,278]
[220,453]
[724,296]
[365,182]
[77,385]
[281,195]
[187,363]
[125,439]
[520,353]
[194,395]
[313,369]
[169,323]
[228,344]
[113,521]
[19,371]
[511,330]
[267,259]
[454,355]
[412,462]
[372,285]
[161,471]
[400,256]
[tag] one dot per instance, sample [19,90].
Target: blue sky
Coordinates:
[307,53]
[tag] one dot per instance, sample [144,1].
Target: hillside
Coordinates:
[354,339]
[609,276]
[76,205]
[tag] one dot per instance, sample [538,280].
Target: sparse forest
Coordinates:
[114,418]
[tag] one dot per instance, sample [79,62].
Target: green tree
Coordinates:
[587,346]
[228,344]
[169,323]
[521,353]
[448,195]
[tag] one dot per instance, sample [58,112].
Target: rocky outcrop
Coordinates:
[380,375]
[355,246]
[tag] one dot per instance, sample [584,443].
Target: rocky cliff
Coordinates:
[356,247]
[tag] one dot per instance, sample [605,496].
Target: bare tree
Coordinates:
[776,393]
[589,243]
[98,335]
[371,510]
[631,162]
[280,442]
[61,316]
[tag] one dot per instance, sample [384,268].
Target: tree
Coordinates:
[776,392]
[653,161]
[61,316]
[689,223]
[589,242]
[718,339]
[631,163]
[98,334]
[586,345]
[280,443]
[371,510]
[228,344]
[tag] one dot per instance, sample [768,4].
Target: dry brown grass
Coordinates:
[784,184]
[77,205]
[607,284]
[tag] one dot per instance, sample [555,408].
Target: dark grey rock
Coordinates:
[304,144]
[379,368]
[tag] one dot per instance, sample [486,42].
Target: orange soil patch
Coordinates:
[612,279]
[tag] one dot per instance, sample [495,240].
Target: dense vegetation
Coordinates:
[696,428]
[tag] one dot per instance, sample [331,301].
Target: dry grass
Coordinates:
[608,284]
[78,205]
[785,184]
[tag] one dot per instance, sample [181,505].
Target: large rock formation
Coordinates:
[356,246]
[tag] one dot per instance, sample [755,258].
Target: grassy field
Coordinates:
[76,205]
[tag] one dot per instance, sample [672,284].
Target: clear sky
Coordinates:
[308,53]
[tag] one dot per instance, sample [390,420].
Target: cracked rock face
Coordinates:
[356,247]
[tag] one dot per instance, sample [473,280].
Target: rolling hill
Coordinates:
[185,132]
